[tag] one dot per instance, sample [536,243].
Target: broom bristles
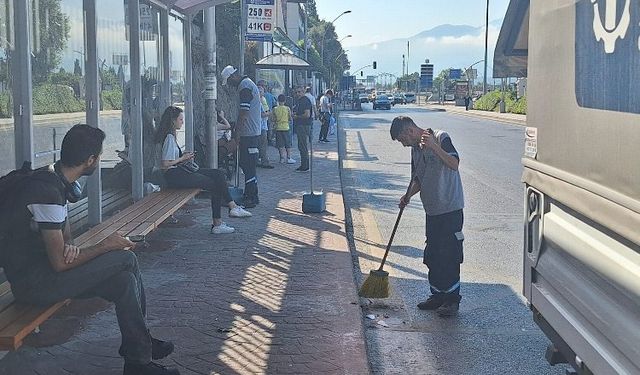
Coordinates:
[376,285]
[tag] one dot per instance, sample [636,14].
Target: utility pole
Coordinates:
[486,48]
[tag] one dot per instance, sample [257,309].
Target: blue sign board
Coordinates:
[347,82]
[607,51]
[455,74]
[426,82]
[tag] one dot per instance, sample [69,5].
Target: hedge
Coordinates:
[6,105]
[519,107]
[111,99]
[491,100]
[487,102]
[52,98]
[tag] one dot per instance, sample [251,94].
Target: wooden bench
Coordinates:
[112,200]
[17,320]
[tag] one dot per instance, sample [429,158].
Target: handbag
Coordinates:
[189,166]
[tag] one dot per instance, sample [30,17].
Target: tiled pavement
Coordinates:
[277,297]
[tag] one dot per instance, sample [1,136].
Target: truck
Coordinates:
[581,175]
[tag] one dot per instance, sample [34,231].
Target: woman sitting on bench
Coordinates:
[180,171]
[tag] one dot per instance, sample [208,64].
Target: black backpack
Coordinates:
[10,185]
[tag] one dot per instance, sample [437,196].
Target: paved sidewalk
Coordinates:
[511,118]
[277,297]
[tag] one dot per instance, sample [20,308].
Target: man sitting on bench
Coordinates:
[44,267]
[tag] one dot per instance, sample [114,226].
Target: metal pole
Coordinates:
[188,87]
[22,85]
[135,117]
[210,89]
[94,183]
[166,78]
[486,50]
[243,28]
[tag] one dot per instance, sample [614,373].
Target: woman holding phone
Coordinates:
[180,172]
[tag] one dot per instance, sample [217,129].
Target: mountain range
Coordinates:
[446,46]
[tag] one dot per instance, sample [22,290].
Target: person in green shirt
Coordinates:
[282,119]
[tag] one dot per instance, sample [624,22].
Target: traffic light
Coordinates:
[375,65]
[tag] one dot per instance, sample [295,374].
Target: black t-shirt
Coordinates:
[302,104]
[41,204]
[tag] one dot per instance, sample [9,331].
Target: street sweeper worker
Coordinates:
[434,173]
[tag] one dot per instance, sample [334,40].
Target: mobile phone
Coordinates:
[136,238]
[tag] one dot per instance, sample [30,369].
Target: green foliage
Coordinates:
[111,99]
[490,101]
[52,98]
[519,106]
[52,39]
[6,105]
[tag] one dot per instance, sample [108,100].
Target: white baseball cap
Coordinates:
[226,73]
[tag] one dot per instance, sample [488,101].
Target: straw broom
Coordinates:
[376,284]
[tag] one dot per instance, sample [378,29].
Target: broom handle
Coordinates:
[393,232]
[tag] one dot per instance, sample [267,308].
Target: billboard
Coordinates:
[261,18]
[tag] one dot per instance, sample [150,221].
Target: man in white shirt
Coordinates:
[326,108]
[312,99]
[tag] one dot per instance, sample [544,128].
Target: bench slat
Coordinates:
[30,317]
[127,214]
[179,201]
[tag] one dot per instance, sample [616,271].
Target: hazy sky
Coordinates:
[376,20]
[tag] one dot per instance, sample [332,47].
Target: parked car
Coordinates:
[382,101]
[410,97]
[364,98]
[399,98]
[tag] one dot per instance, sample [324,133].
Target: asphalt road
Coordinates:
[494,332]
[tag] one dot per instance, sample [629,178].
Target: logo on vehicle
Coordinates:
[613,29]
[607,43]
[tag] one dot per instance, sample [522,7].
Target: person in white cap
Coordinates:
[248,130]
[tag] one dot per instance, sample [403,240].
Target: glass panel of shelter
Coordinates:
[57,74]
[7,45]
[114,71]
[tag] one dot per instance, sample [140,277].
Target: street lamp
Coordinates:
[467,73]
[344,37]
[325,33]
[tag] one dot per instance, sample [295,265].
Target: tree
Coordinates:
[77,69]
[50,40]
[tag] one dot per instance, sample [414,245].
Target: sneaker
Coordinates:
[150,368]
[291,161]
[432,303]
[222,229]
[283,160]
[160,349]
[239,212]
[450,307]
[300,169]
